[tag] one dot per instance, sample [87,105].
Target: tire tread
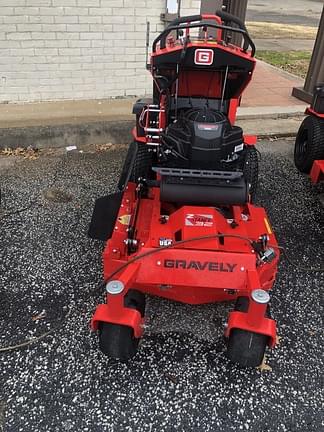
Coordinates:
[251,170]
[315,143]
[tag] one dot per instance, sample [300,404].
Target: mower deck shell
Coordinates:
[195,272]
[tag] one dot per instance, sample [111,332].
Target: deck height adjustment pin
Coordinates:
[260,296]
[115,287]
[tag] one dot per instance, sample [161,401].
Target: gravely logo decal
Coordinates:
[204,57]
[201,220]
[200,265]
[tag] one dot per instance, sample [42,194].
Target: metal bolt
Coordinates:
[158,263]
[242,268]
[260,296]
[115,287]
[114,250]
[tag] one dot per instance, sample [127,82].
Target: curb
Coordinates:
[277,135]
[119,132]
[271,116]
[64,135]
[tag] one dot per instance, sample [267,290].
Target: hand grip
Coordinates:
[185,20]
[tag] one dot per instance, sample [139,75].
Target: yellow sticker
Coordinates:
[266,222]
[125,219]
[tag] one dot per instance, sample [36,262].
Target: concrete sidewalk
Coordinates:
[271,87]
[57,124]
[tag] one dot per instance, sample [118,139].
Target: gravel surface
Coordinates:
[180,380]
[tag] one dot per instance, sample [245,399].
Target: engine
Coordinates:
[203,139]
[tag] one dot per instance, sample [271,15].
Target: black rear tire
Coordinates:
[143,163]
[128,166]
[309,145]
[138,163]
[251,170]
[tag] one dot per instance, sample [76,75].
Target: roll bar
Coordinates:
[229,18]
[178,24]
[186,19]
[226,17]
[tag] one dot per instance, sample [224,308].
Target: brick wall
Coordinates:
[77,49]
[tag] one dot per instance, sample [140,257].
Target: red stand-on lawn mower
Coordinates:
[309,146]
[182,225]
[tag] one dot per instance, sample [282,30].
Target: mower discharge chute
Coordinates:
[182,225]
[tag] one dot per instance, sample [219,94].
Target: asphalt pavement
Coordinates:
[180,380]
[299,12]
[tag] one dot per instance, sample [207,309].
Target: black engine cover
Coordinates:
[213,142]
[204,138]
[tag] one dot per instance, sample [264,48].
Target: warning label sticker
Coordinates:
[125,219]
[201,220]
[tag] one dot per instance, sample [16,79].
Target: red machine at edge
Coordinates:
[183,225]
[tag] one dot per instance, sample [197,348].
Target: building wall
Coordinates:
[77,49]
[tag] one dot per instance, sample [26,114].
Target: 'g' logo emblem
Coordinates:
[204,57]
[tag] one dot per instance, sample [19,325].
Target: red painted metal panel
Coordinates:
[311,111]
[317,171]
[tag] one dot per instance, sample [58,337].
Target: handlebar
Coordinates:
[187,19]
[226,17]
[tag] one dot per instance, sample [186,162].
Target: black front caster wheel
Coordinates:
[246,348]
[117,341]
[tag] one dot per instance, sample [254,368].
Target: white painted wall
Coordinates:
[77,49]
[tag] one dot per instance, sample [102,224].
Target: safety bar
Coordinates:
[231,18]
[225,16]
[228,18]
[186,19]
[163,36]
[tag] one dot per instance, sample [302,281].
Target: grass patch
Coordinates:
[295,62]
[267,30]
